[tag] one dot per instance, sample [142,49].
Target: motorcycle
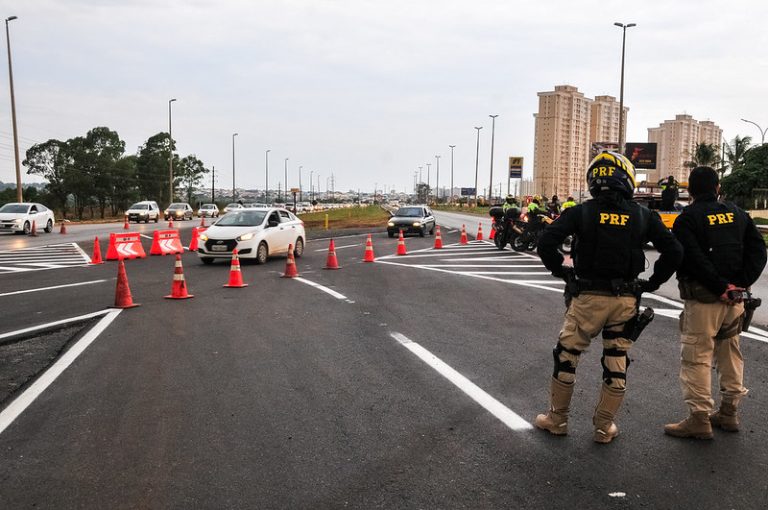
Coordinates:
[528,240]
[507,227]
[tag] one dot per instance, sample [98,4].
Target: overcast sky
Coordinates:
[368,90]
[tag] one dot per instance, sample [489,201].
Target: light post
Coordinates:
[477,160]
[621,92]
[429,190]
[420,179]
[311,187]
[493,135]
[170,154]
[19,197]
[452,147]
[301,196]
[266,176]
[285,187]
[437,180]
[233,167]
[762,131]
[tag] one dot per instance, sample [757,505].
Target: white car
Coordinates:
[18,218]
[256,233]
[208,210]
[234,206]
[145,211]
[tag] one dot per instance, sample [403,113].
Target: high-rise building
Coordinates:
[676,142]
[561,151]
[604,120]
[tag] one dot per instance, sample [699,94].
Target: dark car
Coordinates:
[414,219]
[179,211]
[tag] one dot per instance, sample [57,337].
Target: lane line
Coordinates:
[490,404]
[23,401]
[342,247]
[52,324]
[321,287]
[85,256]
[486,265]
[51,288]
[532,273]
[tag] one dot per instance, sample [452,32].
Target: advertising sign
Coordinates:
[515,167]
[465,192]
[642,155]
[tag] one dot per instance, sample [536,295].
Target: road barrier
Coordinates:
[166,242]
[125,246]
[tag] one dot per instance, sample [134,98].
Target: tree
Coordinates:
[50,160]
[152,167]
[100,152]
[704,154]
[422,192]
[125,191]
[189,174]
[79,178]
[740,184]
[736,150]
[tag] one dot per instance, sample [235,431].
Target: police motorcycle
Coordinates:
[529,238]
[507,226]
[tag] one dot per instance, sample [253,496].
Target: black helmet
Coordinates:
[511,199]
[611,171]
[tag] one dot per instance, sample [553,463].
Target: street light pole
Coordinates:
[301,195]
[233,167]
[429,189]
[621,92]
[285,188]
[170,154]
[762,131]
[477,160]
[452,147]
[437,183]
[19,197]
[266,176]
[493,136]
[311,186]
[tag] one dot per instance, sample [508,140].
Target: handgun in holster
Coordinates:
[571,286]
[750,305]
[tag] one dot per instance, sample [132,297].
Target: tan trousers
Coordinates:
[700,323]
[587,316]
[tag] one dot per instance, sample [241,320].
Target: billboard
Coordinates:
[515,167]
[642,155]
[465,192]
[597,147]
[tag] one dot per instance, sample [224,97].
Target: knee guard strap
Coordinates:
[563,365]
[609,375]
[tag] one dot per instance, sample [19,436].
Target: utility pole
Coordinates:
[493,136]
[19,197]
[170,154]
[266,177]
[437,183]
[233,167]
[429,189]
[213,184]
[452,147]
[621,93]
[477,161]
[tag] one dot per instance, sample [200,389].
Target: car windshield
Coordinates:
[409,212]
[249,218]
[176,206]
[141,207]
[233,206]
[14,208]
[208,206]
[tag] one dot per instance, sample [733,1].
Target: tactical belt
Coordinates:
[615,287]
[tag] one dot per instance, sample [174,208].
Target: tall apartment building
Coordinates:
[567,124]
[676,141]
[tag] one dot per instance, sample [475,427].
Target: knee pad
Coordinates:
[608,374]
[563,365]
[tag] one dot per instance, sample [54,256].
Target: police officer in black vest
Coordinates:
[610,231]
[724,255]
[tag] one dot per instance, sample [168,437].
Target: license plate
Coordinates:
[218,247]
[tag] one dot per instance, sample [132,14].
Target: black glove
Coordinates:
[561,272]
[647,286]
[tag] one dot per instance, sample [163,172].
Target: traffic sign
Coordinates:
[295,190]
[465,192]
[515,167]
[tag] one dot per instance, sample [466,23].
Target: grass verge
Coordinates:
[353,217]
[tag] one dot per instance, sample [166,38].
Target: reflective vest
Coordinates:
[567,204]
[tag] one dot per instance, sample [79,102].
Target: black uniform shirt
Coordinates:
[697,262]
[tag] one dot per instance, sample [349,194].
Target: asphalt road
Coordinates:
[355,394]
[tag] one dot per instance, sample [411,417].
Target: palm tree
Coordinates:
[704,154]
[735,151]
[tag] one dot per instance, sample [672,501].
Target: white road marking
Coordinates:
[55,256]
[52,324]
[146,236]
[23,401]
[493,406]
[487,265]
[342,247]
[51,288]
[321,287]
[513,273]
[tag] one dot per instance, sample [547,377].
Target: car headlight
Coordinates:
[142,214]
[179,213]
[416,223]
[203,237]
[246,237]
[19,221]
[390,224]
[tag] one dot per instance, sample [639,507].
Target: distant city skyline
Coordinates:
[366,92]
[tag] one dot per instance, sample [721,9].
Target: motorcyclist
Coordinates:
[553,207]
[568,203]
[510,203]
[608,256]
[534,209]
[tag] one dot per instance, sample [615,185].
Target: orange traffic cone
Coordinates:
[125,223]
[479,235]
[369,256]
[463,239]
[202,221]
[123,298]
[193,244]
[235,275]
[170,223]
[290,265]
[438,239]
[492,235]
[331,262]
[96,258]
[33,232]
[401,245]
[179,286]
[63,229]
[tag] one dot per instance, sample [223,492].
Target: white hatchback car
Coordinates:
[18,218]
[256,233]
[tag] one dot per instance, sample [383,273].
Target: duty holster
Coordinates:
[750,304]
